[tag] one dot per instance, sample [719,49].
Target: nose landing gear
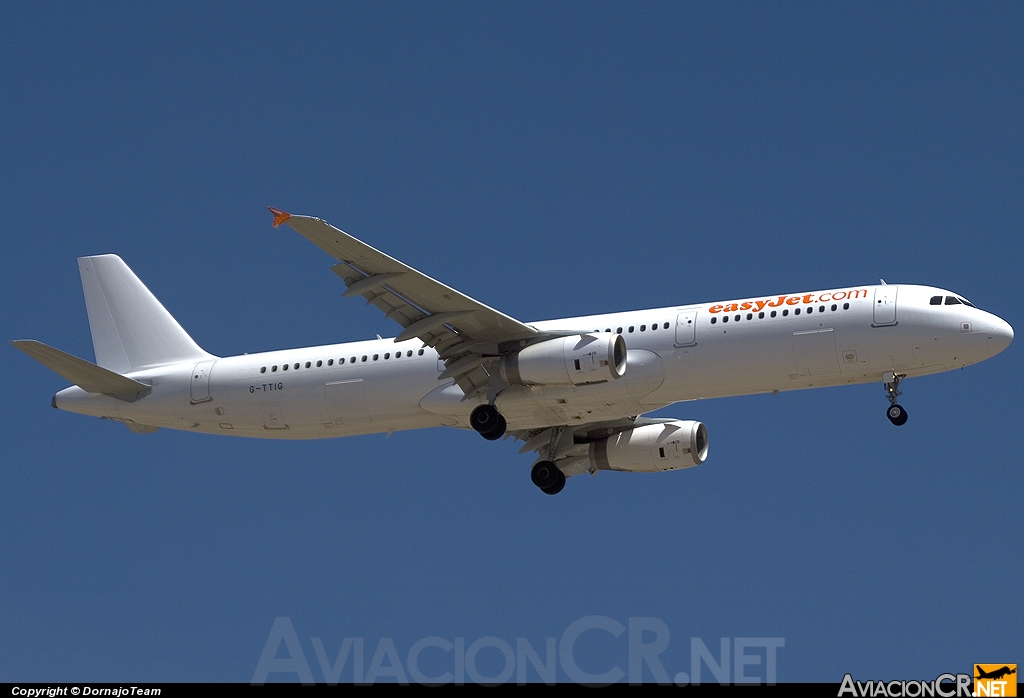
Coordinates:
[896,413]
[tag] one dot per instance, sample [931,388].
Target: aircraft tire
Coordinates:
[545,474]
[497,432]
[897,415]
[557,487]
[484,418]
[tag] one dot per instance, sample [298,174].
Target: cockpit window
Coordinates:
[951,300]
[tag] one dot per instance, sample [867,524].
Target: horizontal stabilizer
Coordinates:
[86,375]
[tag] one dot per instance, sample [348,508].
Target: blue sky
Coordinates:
[550,160]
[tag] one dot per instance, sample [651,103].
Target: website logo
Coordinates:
[995,679]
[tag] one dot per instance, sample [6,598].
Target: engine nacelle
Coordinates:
[652,448]
[574,360]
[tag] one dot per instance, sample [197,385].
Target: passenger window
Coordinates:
[846,306]
[420,352]
[774,312]
[666,326]
[643,328]
[319,364]
[273,369]
[821,309]
[296,367]
[760,316]
[785,312]
[352,360]
[387,356]
[750,316]
[714,320]
[797,311]
[834,306]
[409,353]
[308,364]
[630,328]
[330,362]
[725,318]
[619,330]
[935,300]
[654,327]
[263,369]
[284,367]
[364,358]
[737,318]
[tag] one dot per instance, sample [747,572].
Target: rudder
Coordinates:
[130,328]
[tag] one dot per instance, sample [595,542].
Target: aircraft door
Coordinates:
[885,306]
[815,352]
[686,328]
[200,391]
[346,402]
[272,417]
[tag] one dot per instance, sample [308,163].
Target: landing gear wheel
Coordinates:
[487,422]
[891,382]
[896,414]
[557,487]
[498,431]
[544,473]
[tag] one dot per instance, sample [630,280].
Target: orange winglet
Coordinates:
[279,215]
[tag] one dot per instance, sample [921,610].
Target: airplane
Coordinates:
[995,673]
[575,391]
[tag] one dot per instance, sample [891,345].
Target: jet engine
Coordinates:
[652,448]
[573,360]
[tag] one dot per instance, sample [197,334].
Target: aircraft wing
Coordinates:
[468,335]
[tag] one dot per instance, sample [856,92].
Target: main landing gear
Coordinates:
[896,413]
[547,477]
[488,422]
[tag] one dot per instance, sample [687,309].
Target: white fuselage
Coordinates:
[839,337]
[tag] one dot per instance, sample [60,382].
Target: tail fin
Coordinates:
[130,328]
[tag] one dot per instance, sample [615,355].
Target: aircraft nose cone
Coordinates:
[1001,334]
